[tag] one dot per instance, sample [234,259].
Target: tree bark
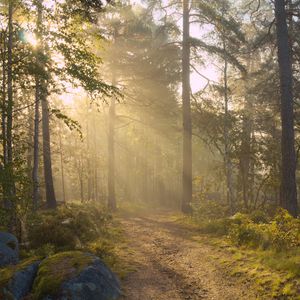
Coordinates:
[9,191]
[62,166]
[35,169]
[3,114]
[50,194]
[112,205]
[245,155]
[288,199]
[187,186]
[38,93]
[9,83]
[227,158]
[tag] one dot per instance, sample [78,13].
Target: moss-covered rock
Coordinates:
[75,275]
[16,280]
[9,249]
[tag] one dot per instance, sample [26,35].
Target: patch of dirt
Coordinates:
[171,264]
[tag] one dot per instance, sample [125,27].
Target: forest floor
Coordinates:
[172,261]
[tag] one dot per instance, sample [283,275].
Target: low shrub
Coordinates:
[217,227]
[250,234]
[66,228]
[204,209]
[259,217]
[256,231]
[285,231]
[282,233]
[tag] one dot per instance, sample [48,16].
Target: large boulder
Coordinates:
[75,275]
[16,281]
[9,249]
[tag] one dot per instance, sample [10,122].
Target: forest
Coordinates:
[149,149]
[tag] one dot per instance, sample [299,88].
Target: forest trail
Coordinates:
[173,263]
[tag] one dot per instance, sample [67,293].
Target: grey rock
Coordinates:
[95,282]
[21,283]
[9,249]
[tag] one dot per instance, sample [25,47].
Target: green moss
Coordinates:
[58,268]
[288,289]
[7,273]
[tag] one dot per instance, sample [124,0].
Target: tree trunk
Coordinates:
[50,194]
[9,191]
[111,156]
[62,167]
[38,93]
[81,188]
[35,169]
[3,115]
[187,186]
[9,84]
[227,158]
[288,199]
[88,158]
[245,155]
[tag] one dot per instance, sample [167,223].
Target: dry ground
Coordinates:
[173,262]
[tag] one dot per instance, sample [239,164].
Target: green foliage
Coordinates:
[70,123]
[102,248]
[243,231]
[217,227]
[282,233]
[67,228]
[259,216]
[285,231]
[4,218]
[209,209]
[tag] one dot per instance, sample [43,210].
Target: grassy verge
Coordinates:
[254,257]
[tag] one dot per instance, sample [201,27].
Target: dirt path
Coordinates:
[171,264]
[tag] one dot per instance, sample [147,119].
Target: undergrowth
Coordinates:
[259,247]
[85,227]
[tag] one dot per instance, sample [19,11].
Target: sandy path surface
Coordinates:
[171,264]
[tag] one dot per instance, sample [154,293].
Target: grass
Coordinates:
[275,275]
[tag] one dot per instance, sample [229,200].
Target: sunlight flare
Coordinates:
[30,38]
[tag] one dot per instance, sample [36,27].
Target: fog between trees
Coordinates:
[153,102]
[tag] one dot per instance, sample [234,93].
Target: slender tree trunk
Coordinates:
[187,185]
[9,84]
[81,188]
[38,93]
[88,159]
[29,152]
[245,155]
[50,194]
[3,116]
[288,199]
[35,170]
[9,190]
[111,156]
[227,158]
[62,167]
